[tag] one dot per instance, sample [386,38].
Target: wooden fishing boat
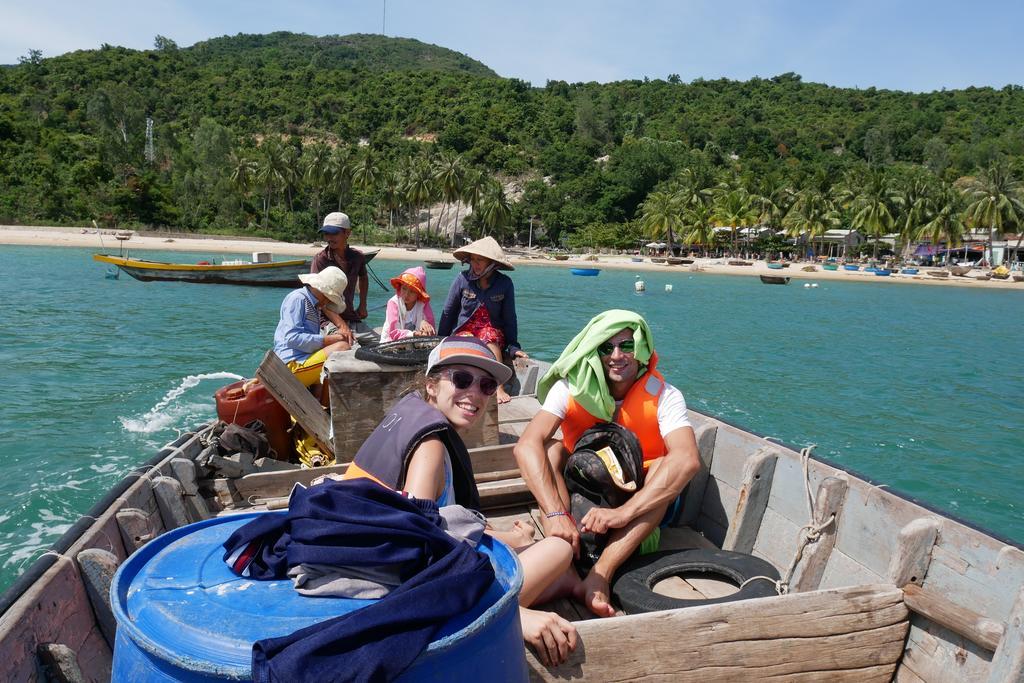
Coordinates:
[268,274]
[739,262]
[939,273]
[960,271]
[585,272]
[561,257]
[884,588]
[657,259]
[674,261]
[439,264]
[774,280]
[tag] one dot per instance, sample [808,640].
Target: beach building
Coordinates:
[838,242]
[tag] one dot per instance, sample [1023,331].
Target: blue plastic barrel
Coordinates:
[183,615]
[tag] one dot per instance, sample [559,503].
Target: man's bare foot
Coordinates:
[503,396]
[593,592]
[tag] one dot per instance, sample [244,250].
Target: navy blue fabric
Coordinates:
[360,523]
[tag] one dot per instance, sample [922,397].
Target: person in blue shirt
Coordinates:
[298,340]
[482,303]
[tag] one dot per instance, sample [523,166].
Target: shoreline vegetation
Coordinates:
[104,241]
[264,134]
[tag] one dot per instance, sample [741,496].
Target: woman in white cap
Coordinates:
[298,340]
[417,449]
[482,302]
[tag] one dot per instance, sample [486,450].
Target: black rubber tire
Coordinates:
[408,352]
[635,580]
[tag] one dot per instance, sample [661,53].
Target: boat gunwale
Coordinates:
[144,264]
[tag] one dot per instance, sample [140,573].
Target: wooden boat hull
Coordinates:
[880,559]
[274,274]
[774,280]
[439,265]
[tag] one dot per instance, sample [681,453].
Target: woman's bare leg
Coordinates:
[502,395]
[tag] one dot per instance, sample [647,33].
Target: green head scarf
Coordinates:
[580,364]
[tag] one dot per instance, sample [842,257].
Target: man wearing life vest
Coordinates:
[607,373]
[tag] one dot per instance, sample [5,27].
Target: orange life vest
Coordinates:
[638,414]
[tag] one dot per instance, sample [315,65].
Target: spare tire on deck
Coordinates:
[634,583]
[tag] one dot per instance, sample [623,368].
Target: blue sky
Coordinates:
[913,45]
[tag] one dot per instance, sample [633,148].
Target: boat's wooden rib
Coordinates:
[835,634]
[959,620]
[693,496]
[755,488]
[814,557]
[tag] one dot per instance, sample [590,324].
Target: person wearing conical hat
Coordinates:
[298,340]
[482,302]
[408,311]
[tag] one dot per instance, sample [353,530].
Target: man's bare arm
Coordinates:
[532,457]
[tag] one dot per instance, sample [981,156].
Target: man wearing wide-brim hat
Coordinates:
[298,340]
[336,229]
[482,302]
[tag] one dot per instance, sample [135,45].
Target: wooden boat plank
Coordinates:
[777,540]
[53,610]
[296,399]
[713,531]
[973,589]
[677,587]
[1008,660]
[693,498]
[842,570]
[720,501]
[871,535]
[824,631]
[730,446]
[789,491]
[711,588]
[938,655]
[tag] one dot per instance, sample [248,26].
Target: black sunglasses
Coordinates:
[607,348]
[464,380]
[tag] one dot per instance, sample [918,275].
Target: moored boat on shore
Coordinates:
[266,274]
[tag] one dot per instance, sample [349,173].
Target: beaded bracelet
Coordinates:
[560,513]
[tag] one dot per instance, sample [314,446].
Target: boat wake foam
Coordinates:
[164,414]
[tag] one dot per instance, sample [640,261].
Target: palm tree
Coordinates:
[947,223]
[812,215]
[340,173]
[474,182]
[365,172]
[495,210]
[735,209]
[662,214]
[268,174]
[448,175]
[873,206]
[418,190]
[291,171]
[917,197]
[699,219]
[243,173]
[391,194]
[317,173]
[995,201]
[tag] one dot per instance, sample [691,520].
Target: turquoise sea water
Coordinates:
[916,387]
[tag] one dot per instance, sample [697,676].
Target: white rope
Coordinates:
[809,533]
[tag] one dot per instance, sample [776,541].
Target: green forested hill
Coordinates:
[265,133]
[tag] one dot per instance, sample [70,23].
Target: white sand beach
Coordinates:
[103,241]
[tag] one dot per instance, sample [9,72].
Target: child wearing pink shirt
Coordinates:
[408,311]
